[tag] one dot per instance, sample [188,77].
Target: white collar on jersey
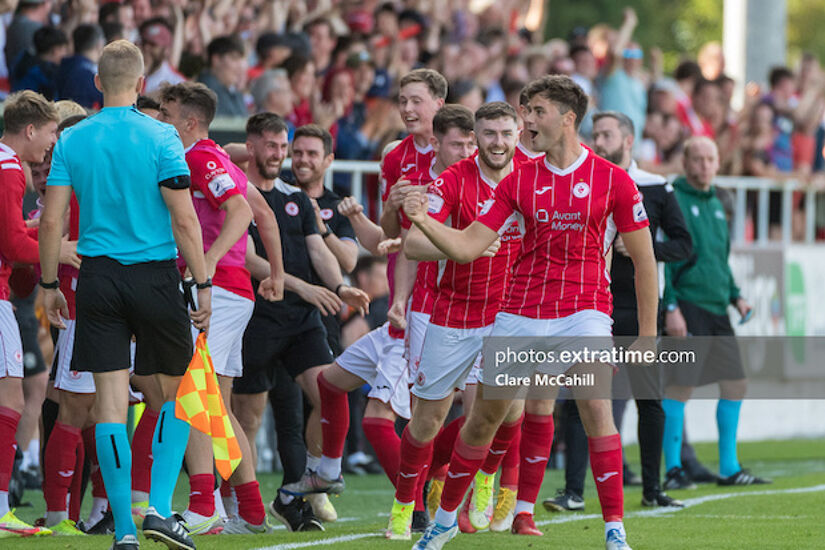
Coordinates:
[484,178]
[422,150]
[570,169]
[286,188]
[527,152]
[5,148]
[433,174]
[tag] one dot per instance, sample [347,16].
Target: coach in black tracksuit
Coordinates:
[613,140]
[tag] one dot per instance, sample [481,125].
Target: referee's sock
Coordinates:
[168,448]
[727,420]
[115,460]
[674,424]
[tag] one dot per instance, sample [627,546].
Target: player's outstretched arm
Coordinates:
[368,233]
[462,246]
[639,247]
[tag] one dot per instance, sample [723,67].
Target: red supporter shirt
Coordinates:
[406,158]
[214,180]
[523,155]
[426,276]
[569,215]
[17,243]
[470,295]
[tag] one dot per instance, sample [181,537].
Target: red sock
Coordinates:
[381,434]
[420,500]
[464,464]
[444,445]
[76,491]
[59,465]
[334,418]
[415,455]
[8,444]
[536,441]
[250,505]
[501,442]
[440,474]
[606,463]
[510,464]
[142,451]
[201,497]
[98,488]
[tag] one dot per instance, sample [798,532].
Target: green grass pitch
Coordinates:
[790,513]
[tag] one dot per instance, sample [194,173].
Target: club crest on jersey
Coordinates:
[581,190]
[639,213]
[326,214]
[18,356]
[291,208]
[219,185]
[420,379]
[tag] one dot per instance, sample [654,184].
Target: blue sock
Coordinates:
[727,419]
[672,441]
[115,459]
[168,448]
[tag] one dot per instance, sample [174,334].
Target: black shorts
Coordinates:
[716,359]
[115,301]
[264,351]
[33,362]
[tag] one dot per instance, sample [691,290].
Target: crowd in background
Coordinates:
[337,63]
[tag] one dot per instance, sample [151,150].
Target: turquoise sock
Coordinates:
[115,459]
[168,448]
[727,419]
[672,441]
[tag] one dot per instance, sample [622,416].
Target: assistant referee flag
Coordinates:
[199,403]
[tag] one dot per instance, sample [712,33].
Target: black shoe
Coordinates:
[661,499]
[742,477]
[309,521]
[677,478]
[420,521]
[128,542]
[631,478]
[106,525]
[169,531]
[564,500]
[32,479]
[294,516]
[698,473]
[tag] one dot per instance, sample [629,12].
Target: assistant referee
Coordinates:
[131,180]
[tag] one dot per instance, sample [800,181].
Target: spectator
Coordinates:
[225,75]
[273,94]
[301,72]
[707,103]
[76,75]
[30,16]
[272,50]
[322,39]
[467,93]
[156,44]
[51,45]
[122,14]
[586,70]
[687,75]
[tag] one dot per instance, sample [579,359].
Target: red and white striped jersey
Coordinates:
[426,275]
[561,268]
[18,244]
[523,154]
[470,295]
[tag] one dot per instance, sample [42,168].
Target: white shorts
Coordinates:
[230,315]
[414,341]
[11,347]
[586,323]
[74,381]
[378,359]
[449,356]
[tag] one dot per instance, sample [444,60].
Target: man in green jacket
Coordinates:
[698,292]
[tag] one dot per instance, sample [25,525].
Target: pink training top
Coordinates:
[214,180]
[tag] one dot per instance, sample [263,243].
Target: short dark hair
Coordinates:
[625,123]
[563,92]
[314,131]
[107,11]
[224,45]
[435,82]
[577,49]
[194,97]
[320,21]
[27,107]
[703,83]
[265,122]
[112,30]
[69,122]
[47,38]
[452,116]
[86,37]
[296,63]
[495,110]
[365,264]
[688,70]
[268,41]
[146,102]
[152,21]
[778,74]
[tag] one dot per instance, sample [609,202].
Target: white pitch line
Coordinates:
[690,502]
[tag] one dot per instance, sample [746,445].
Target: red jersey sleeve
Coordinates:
[628,210]
[210,177]
[16,243]
[504,203]
[390,172]
[442,196]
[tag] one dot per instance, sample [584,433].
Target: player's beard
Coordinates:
[265,171]
[613,156]
[485,158]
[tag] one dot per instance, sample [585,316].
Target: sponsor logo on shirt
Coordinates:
[291,208]
[561,221]
[639,213]
[407,167]
[219,185]
[326,213]
[485,206]
[581,190]
[544,190]
[434,203]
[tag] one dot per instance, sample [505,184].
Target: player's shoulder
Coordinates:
[643,178]
[399,150]
[9,162]
[288,190]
